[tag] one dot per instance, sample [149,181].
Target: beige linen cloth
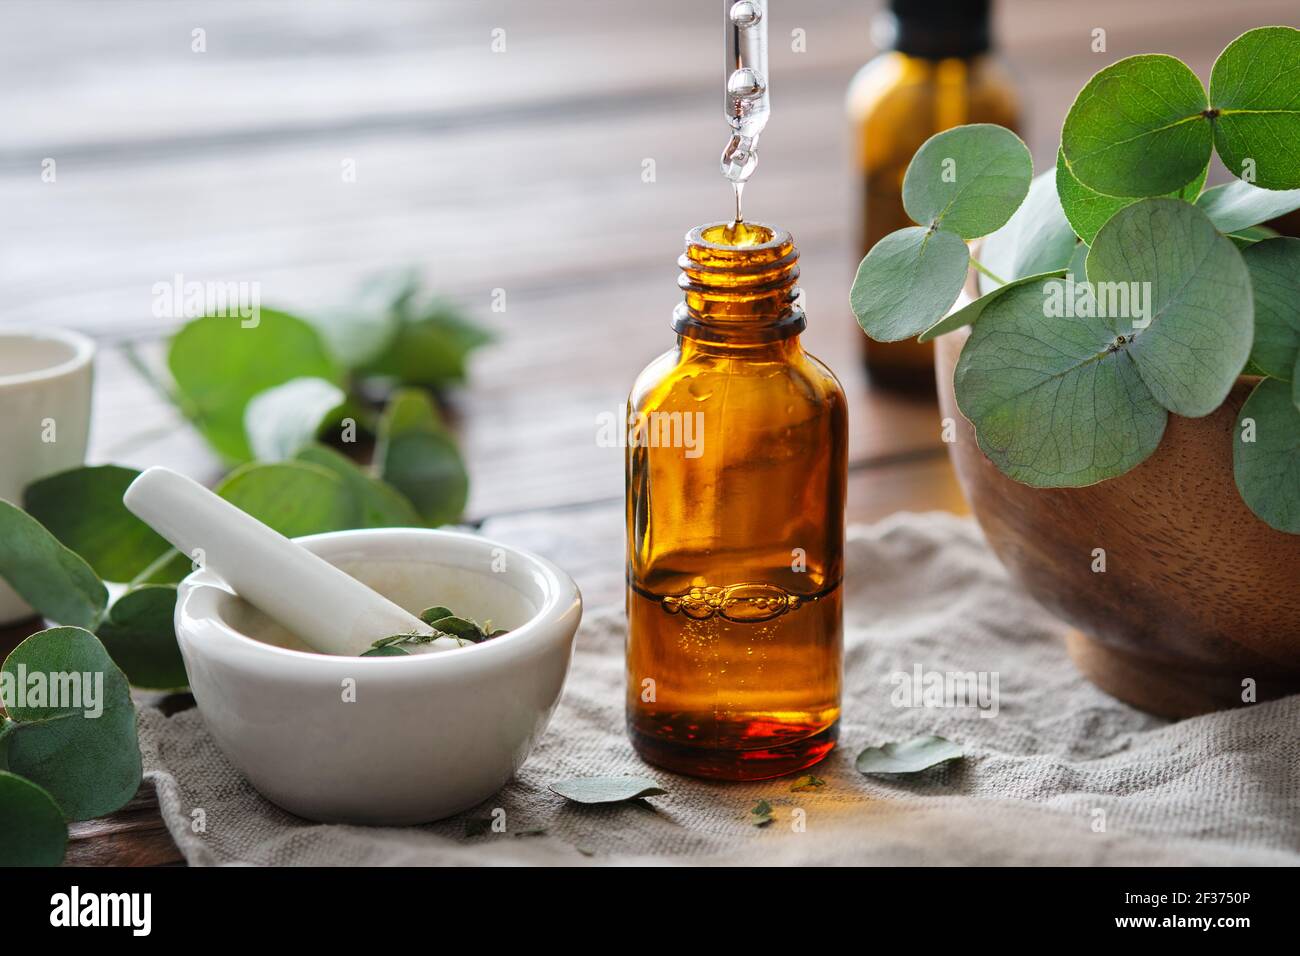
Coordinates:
[1062,775]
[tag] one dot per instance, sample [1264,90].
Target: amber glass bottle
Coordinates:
[735,523]
[939,72]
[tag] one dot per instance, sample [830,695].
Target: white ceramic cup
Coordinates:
[385,740]
[45,382]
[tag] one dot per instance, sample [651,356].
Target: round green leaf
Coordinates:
[420,459]
[1138,128]
[1248,237]
[430,347]
[219,365]
[1195,336]
[381,505]
[1037,239]
[83,509]
[1077,268]
[1274,266]
[968,180]
[1238,206]
[48,576]
[293,497]
[140,635]
[361,328]
[1267,469]
[1254,90]
[1054,402]
[281,420]
[1088,210]
[908,280]
[32,830]
[385,652]
[82,746]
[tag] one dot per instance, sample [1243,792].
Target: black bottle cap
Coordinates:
[936,29]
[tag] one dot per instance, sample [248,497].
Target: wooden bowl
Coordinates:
[1199,597]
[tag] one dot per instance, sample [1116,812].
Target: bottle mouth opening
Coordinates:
[728,236]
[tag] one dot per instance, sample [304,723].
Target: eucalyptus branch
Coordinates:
[979,267]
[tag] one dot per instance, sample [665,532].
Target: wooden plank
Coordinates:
[133,836]
[279,68]
[529,199]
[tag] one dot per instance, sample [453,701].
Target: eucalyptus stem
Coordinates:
[979,267]
[156,565]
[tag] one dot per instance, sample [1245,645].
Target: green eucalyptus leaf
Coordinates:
[1253,88]
[430,346]
[1274,266]
[1054,402]
[1267,468]
[81,748]
[1251,235]
[1037,239]
[48,576]
[363,328]
[761,814]
[219,365]
[431,615]
[32,828]
[83,509]
[1237,206]
[140,635]
[908,756]
[381,505]
[607,789]
[293,497]
[284,418]
[1088,210]
[907,282]
[1248,237]
[386,651]
[461,628]
[968,180]
[971,312]
[1200,320]
[1077,270]
[418,457]
[1138,128]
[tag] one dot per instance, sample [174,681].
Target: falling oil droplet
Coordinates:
[738,188]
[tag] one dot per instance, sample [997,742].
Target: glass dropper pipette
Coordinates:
[746,102]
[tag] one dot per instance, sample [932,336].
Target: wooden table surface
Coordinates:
[518,170]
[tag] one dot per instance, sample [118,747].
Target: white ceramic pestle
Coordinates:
[327,608]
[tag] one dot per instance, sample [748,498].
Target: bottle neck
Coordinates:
[938,29]
[738,281]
